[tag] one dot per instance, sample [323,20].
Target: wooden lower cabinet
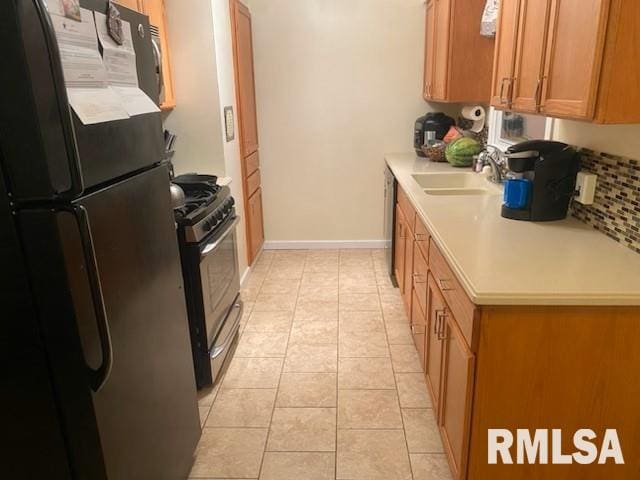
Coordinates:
[256,230]
[456,396]
[433,370]
[408,270]
[419,329]
[399,242]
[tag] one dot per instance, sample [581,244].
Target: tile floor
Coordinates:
[325,382]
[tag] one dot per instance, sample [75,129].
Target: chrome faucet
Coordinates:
[493,160]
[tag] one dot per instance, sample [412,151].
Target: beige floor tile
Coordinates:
[405,359]
[365,373]
[311,359]
[253,373]
[307,390]
[303,430]
[266,302]
[383,279]
[421,430]
[229,452]
[324,294]
[389,300]
[206,396]
[314,333]
[430,467]
[395,313]
[298,466]
[321,264]
[270,322]
[311,309]
[412,390]
[242,408]
[363,344]
[350,284]
[285,272]
[353,275]
[368,409]
[262,344]
[287,286]
[204,412]
[361,321]
[319,279]
[399,334]
[372,455]
[364,302]
[309,315]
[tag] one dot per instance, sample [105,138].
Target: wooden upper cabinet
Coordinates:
[457,57]
[574,59]
[429,43]
[575,44]
[505,54]
[132,4]
[158,19]
[441,54]
[527,82]
[245,79]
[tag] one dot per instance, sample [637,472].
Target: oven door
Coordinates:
[220,276]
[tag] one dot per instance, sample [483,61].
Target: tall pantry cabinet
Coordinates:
[248,126]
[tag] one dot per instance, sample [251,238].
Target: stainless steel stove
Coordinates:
[208,249]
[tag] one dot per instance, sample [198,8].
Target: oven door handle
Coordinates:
[216,243]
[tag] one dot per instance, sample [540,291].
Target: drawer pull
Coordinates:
[436,324]
[417,278]
[422,236]
[445,285]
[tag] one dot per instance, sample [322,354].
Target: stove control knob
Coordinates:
[219,215]
[207,226]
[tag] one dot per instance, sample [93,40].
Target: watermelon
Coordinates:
[460,152]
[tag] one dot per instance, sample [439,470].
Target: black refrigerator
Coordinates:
[97,380]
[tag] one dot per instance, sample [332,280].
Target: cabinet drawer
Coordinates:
[461,306]
[420,277]
[422,238]
[252,163]
[253,183]
[407,209]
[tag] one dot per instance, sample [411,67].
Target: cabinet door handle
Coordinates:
[436,324]
[444,285]
[421,236]
[502,100]
[442,326]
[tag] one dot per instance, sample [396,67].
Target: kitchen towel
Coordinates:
[489,18]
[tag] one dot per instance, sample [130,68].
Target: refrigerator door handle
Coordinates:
[75,168]
[98,377]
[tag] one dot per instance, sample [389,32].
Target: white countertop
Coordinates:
[509,262]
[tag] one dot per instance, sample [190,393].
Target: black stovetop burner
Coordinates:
[201,191]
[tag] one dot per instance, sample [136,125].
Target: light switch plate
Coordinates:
[586,186]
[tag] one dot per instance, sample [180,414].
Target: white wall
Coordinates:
[623,140]
[338,84]
[227,96]
[196,118]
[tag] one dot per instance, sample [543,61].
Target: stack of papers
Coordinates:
[100,88]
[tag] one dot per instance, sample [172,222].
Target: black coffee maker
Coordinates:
[431,122]
[543,180]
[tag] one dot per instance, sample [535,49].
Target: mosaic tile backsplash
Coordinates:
[616,210]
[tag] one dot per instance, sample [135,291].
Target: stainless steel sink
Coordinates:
[466,183]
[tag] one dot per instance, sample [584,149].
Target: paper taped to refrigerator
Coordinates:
[78,45]
[122,73]
[85,75]
[96,105]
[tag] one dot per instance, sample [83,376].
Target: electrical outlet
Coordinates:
[586,187]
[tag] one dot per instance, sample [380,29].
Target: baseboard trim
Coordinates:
[324,244]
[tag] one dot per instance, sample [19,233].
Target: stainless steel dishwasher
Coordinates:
[389,218]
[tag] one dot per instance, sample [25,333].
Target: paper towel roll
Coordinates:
[476,113]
